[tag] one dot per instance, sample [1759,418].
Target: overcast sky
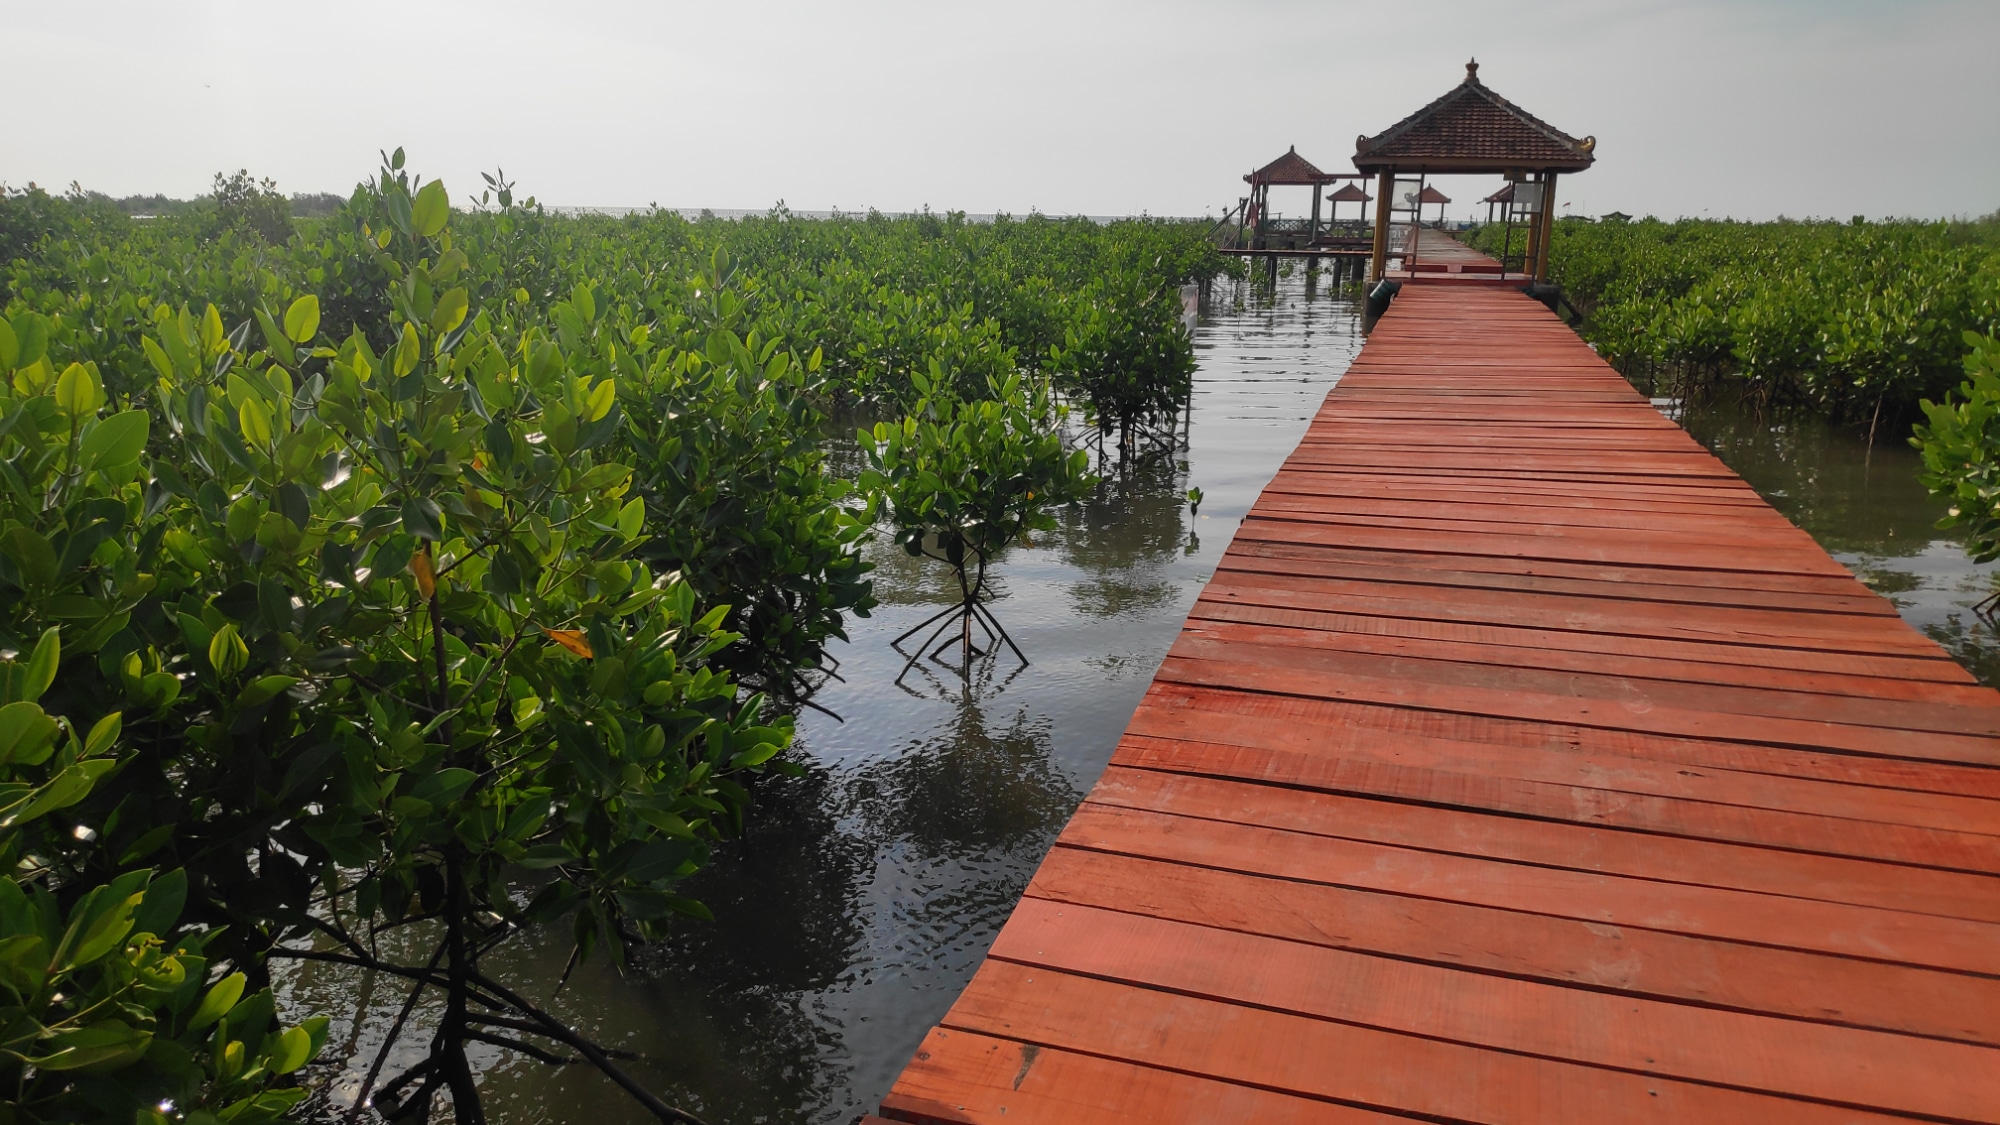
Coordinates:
[1753,108]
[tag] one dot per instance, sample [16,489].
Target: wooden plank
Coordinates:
[1853,1066]
[1198,664]
[960,1077]
[1552,844]
[1616,959]
[1356,1065]
[1919,940]
[1315,734]
[1639,687]
[1451,776]
[1518,763]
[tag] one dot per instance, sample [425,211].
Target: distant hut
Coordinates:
[1428,196]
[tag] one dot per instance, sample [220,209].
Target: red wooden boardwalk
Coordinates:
[1519,764]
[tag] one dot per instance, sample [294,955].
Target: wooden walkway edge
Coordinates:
[1519,764]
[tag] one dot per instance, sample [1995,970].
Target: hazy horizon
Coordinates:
[1751,110]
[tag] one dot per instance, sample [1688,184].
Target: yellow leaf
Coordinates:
[420,565]
[76,391]
[407,351]
[213,339]
[602,396]
[571,639]
[256,422]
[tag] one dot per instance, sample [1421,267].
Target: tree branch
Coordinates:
[527,1049]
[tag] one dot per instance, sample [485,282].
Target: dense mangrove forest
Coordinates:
[377,587]
[1858,321]
[411,586]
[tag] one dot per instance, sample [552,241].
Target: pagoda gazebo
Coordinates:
[1470,131]
[1259,231]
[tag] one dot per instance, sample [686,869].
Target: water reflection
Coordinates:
[866,892]
[1867,508]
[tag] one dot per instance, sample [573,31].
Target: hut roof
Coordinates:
[1349,193]
[1472,129]
[1504,195]
[1432,195]
[1290,168]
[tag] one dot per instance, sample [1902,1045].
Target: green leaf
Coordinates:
[227,653]
[10,348]
[103,734]
[421,519]
[449,312]
[42,664]
[70,784]
[527,711]
[31,334]
[408,351]
[255,419]
[602,398]
[544,856]
[302,319]
[27,734]
[104,1045]
[115,441]
[755,756]
[264,688]
[213,337]
[161,908]
[632,518]
[77,391]
[32,553]
[431,209]
[219,1000]
[106,932]
[291,1050]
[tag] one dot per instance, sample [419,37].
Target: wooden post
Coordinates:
[1312,232]
[1548,226]
[1381,263]
[1530,259]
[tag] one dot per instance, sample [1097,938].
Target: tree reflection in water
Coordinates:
[867,891]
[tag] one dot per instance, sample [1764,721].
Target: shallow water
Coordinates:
[1868,509]
[866,893]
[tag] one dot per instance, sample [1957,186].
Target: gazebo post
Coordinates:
[1548,226]
[1531,256]
[1380,264]
[1312,232]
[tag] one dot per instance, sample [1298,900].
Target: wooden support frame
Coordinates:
[1546,226]
[1379,264]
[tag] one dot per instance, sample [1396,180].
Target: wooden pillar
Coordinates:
[1547,225]
[1381,261]
[1530,254]
[1312,232]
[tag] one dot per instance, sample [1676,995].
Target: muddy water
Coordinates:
[866,892]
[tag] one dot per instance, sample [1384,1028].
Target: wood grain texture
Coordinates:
[1518,764]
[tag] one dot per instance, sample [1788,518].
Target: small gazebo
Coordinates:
[1427,196]
[1472,130]
[1289,170]
[1348,193]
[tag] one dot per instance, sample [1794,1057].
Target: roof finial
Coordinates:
[1472,70]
